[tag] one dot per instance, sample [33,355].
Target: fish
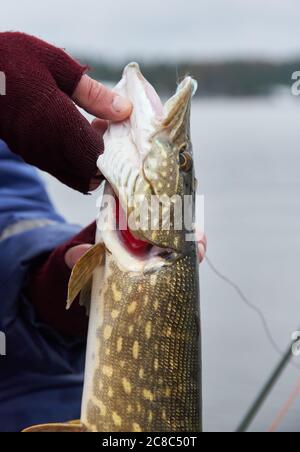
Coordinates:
[140,282]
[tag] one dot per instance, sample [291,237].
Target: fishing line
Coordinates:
[286,358]
[250,305]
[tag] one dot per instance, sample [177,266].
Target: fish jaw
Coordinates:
[142,158]
[109,234]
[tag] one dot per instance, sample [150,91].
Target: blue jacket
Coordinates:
[41,375]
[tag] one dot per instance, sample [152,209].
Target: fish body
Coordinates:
[143,374]
[143,361]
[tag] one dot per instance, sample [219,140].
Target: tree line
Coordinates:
[231,78]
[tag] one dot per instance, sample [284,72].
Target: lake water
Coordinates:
[248,165]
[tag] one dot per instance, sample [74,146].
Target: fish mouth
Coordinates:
[127,164]
[131,254]
[127,143]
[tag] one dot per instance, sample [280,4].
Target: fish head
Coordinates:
[148,162]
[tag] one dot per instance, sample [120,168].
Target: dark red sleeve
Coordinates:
[48,286]
[38,119]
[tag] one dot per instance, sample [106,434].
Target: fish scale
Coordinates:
[165,394]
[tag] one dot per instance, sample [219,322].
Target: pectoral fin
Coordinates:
[83,271]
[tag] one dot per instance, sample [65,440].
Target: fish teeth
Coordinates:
[125,174]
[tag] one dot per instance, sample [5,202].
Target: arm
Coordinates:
[41,124]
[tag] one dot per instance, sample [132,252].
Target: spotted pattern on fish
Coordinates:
[158,388]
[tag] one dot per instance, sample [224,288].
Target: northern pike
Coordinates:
[143,363]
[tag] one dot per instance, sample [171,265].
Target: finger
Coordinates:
[100,101]
[202,246]
[100,126]
[73,255]
[96,181]
[201,252]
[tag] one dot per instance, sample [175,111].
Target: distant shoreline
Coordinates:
[232,79]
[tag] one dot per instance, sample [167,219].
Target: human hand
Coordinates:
[38,119]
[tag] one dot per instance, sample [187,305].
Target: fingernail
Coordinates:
[120,104]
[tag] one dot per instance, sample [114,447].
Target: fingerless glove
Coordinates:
[47,288]
[38,119]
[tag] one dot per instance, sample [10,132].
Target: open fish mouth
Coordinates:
[143,161]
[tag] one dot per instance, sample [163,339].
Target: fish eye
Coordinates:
[185,161]
[183,148]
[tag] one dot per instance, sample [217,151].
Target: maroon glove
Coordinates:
[38,119]
[48,286]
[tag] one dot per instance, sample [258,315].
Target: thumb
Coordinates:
[100,101]
[73,255]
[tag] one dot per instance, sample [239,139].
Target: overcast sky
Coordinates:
[164,29]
